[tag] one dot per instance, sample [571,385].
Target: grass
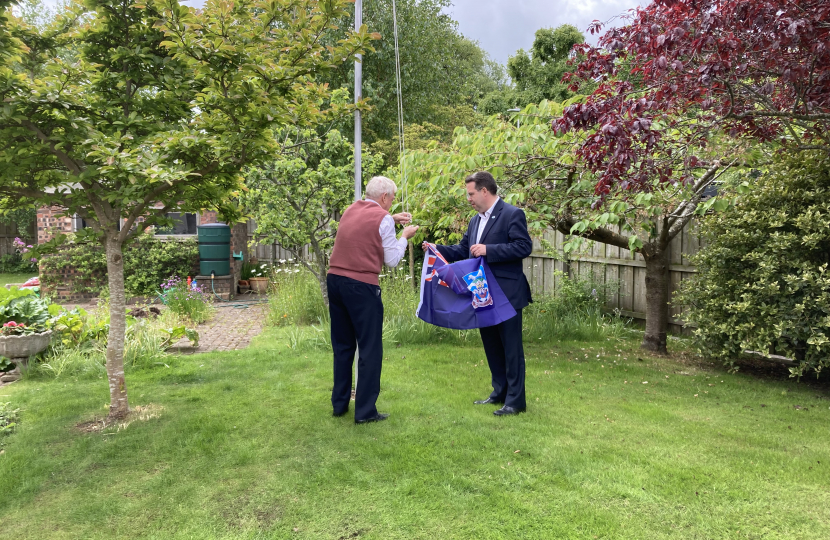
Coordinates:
[243,446]
[15,279]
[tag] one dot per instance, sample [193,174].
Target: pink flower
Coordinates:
[12,324]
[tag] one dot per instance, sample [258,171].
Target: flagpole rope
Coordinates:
[399,88]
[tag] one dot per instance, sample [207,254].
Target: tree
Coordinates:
[537,76]
[539,170]
[760,68]
[121,111]
[763,281]
[439,67]
[297,199]
[426,134]
[681,71]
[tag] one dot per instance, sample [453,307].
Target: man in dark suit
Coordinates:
[498,232]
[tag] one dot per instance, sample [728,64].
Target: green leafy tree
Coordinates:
[427,134]
[123,110]
[439,67]
[763,281]
[538,75]
[297,198]
[537,170]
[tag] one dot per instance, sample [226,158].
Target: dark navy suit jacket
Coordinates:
[508,242]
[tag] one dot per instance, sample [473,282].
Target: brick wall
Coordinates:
[48,223]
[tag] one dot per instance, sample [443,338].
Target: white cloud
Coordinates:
[502,27]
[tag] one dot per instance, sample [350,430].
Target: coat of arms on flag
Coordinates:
[477,284]
[460,295]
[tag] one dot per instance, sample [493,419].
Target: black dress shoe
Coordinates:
[488,401]
[504,411]
[339,414]
[377,418]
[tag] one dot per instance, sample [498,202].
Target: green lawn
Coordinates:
[245,447]
[16,279]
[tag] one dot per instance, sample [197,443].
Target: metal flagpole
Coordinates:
[358,136]
[358,94]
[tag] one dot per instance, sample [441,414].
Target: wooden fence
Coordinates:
[8,232]
[614,267]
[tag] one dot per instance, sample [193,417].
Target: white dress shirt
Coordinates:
[393,248]
[483,221]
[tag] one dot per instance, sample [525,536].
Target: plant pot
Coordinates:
[16,347]
[244,283]
[259,284]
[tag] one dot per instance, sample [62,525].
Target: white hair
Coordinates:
[378,186]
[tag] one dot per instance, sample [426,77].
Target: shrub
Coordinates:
[763,282]
[186,301]
[22,312]
[575,312]
[14,263]
[148,261]
[86,261]
[18,262]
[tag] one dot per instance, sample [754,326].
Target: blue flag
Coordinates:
[461,295]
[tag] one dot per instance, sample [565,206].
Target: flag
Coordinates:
[461,295]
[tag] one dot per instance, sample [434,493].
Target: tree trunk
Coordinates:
[118,327]
[657,299]
[324,290]
[411,264]
[320,274]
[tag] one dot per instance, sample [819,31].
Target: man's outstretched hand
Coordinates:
[403,217]
[409,232]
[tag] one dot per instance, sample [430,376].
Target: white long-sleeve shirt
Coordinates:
[393,247]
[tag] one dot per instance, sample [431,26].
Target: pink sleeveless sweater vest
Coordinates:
[358,250]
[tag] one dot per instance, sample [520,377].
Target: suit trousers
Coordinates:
[356,313]
[506,357]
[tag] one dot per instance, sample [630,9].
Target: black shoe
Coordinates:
[341,413]
[376,418]
[488,401]
[504,411]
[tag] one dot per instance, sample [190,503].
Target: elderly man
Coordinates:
[365,241]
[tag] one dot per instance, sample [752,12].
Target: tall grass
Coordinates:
[294,297]
[574,312]
[145,346]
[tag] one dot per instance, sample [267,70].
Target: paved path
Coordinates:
[230,329]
